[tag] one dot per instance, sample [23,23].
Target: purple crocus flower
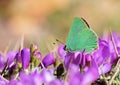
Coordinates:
[36,78]
[10,57]
[81,68]
[110,39]
[61,51]
[18,57]
[102,57]
[77,58]
[38,55]
[25,55]
[47,77]
[116,38]
[48,59]
[29,79]
[56,82]
[89,75]
[68,60]
[2,62]
[35,52]
[14,82]
[26,79]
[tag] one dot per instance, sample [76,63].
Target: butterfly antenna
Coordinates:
[54,43]
[85,22]
[59,41]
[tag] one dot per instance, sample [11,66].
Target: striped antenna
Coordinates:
[59,41]
[85,22]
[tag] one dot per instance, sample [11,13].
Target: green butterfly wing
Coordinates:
[81,37]
[77,26]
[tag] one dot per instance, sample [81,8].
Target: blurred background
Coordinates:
[43,21]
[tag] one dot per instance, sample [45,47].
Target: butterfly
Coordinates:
[81,37]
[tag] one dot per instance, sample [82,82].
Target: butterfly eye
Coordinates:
[65,47]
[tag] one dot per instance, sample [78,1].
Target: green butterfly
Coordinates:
[81,37]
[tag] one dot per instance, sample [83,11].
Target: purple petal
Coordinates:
[105,68]
[15,82]
[18,57]
[68,60]
[27,79]
[61,51]
[2,62]
[76,80]
[38,55]
[88,58]
[48,59]
[10,56]
[102,53]
[85,78]
[83,61]
[56,82]
[114,56]
[46,76]
[25,55]
[77,59]
[91,74]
